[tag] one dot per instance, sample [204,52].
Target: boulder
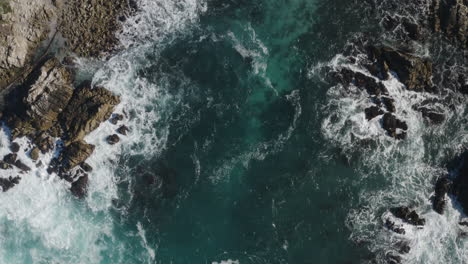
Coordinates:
[20,165]
[4,165]
[123,130]
[14,147]
[407,215]
[116,118]
[9,183]
[390,123]
[372,112]
[87,109]
[34,153]
[389,103]
[10,158]
[113,139]
[79,188]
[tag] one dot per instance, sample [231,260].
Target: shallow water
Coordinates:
[240,151]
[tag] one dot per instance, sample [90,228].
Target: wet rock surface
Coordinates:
[408,215]
[442,188]
[8,183]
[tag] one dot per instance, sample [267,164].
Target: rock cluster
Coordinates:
[47,106]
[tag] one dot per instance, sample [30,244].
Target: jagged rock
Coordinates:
[441,189]
[87,109]
[404,248]
[391,225]
[44,142]
[389,103]
[123,130]
[414,72]
[113,139]
[48,95]
[9,183]
[75,154]
[79,187]
[435,118]
[390,123]
[34,153]
[20,165]
[407,215]
[116,118]
[451,18]
[86,167]
[10,158]
[372,112]
[14,147]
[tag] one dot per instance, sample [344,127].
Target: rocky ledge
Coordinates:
[39,98]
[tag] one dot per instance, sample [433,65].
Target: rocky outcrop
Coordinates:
[47,92]
[414,72]
[89,27]
[23,25]
[407,215]
[87,109]
[450,17]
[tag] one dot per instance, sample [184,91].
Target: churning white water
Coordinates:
[402,172]
[40,221]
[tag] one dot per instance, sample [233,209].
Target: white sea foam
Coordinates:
[40,221]
[405,169]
